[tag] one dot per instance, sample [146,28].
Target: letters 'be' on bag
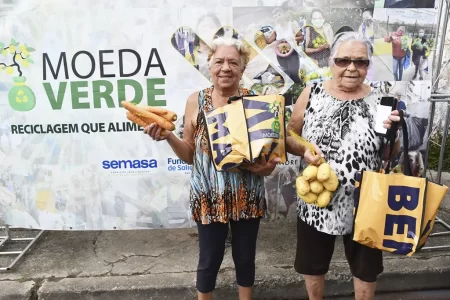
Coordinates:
[395,212]
[246,128]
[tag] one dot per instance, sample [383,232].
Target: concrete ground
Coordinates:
[161,264]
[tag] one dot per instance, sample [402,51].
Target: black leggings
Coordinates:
[212,239]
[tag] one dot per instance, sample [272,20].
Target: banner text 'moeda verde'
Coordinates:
[104,92]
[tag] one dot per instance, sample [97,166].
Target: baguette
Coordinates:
[151,117]
[135,119]
[166,114]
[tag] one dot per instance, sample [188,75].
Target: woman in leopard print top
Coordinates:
[337,116]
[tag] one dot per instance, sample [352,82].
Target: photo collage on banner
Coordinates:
[403,52]
[297,38]
[64,68]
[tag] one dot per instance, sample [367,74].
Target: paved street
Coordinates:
[419,295]
[383,70]
[161,264]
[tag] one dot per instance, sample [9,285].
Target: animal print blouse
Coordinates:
[344,131]
[221,196]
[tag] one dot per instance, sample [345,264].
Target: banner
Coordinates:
[69,158]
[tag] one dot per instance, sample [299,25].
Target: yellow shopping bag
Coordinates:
[389,213]
[265,125]
[434,195]
[227,136]
[246,128]
[395,212]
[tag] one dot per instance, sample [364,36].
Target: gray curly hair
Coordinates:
[350,36]
[242,48]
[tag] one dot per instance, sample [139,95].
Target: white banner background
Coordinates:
[58,181]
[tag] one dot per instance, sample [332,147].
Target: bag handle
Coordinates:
[406,166]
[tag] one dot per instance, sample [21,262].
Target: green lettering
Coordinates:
[152,92]
[138,93]
[56,103]
[77,94]
[106,94]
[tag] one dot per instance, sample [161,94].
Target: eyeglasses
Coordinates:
[345,62]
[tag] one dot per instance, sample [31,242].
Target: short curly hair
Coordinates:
[243,49]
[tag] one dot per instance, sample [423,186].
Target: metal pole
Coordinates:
[439,100]
[444,143]
[433,101]
[22,253]
[441,46]
[437,31]
[436,248]
[446,225]
[277,207]
[429,131]
[438,70]
[6,237]
[441,233]
[21,239]
[10,252]
[440,95]
[439,174]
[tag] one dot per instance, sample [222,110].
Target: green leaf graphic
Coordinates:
[30,49]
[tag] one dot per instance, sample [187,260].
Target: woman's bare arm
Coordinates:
[296,123]
[184,148]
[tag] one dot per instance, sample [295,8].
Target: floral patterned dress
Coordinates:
[221,196]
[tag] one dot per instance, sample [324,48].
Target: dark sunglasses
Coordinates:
[345,62]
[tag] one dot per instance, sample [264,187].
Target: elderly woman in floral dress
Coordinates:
[218,199]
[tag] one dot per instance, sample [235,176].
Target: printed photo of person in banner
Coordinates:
[319,36]
[264,76]
[421,49]
[261,74]
[413,98]
[297,39]
[187,43]
[366,30]
[403,41]
[405,3]
[282,32]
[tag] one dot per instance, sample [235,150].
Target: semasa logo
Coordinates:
[130,164]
